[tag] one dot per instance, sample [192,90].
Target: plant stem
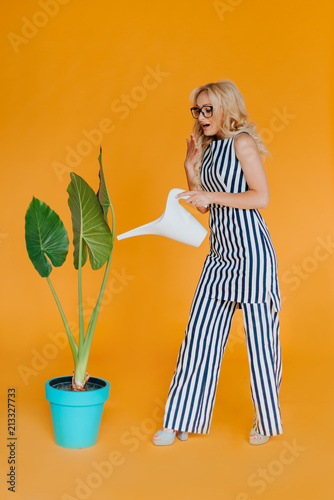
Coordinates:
[85,344]
[95,313]
[73,344]
[96,310]
[78,375]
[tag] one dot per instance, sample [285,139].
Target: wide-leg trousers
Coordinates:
[192,392]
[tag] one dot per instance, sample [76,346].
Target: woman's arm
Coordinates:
[189,166]
[258,194]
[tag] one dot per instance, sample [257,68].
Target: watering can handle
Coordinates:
[185,197]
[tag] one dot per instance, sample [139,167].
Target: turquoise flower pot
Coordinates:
[76,415]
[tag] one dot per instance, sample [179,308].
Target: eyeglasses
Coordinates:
[207,111]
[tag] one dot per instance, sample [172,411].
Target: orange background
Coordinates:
[88,66]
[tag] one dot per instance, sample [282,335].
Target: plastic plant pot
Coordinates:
[76,415]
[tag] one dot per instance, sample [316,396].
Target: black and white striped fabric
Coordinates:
[240,271]
[241,265]
[193,388]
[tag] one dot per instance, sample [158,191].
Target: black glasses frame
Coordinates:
[196,112]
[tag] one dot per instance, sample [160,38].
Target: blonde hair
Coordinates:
[224,94]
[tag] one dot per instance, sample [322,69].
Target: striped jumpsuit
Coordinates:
[239,272]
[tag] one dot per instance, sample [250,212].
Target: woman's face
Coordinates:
[210,126]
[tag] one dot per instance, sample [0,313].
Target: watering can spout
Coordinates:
[149,228]
[175,223]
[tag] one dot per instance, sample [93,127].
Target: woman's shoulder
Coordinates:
[243,141]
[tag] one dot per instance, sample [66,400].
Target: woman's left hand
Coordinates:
[198,199]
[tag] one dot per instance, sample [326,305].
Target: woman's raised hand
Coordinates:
[196,198]
[192,153]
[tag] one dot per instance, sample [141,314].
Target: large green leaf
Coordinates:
[88,223]
[102,194]
[45,235]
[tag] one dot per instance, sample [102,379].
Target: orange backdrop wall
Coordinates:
[79,74]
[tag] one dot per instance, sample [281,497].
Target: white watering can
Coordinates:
[175,223]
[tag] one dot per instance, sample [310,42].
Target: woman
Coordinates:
[226,177]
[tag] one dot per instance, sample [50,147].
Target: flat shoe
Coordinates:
[182,436]
[166,438]
[259,439]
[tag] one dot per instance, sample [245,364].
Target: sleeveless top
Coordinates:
[241,266]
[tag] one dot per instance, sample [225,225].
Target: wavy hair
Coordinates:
[225,94]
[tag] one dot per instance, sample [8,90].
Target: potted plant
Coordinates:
[76,401]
